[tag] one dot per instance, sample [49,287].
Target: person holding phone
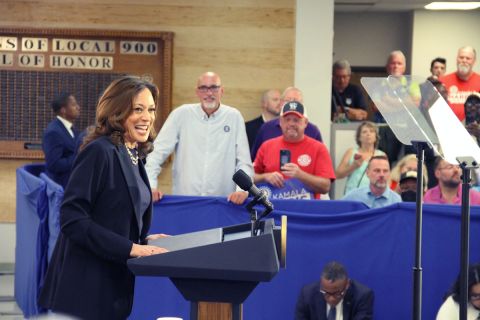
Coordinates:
[294,157]
[354,162]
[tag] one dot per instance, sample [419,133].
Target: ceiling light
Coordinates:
[452,5]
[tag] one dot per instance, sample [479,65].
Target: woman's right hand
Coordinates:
[139,250]
[358,160]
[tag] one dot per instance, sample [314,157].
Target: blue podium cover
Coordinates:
[55,197]
[376,246]
[31,237]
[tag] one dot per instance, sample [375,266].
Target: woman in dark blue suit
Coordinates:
[107,208]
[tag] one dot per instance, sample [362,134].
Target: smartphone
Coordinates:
[284,157]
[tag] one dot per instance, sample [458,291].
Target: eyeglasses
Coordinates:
[205,89]
[337,294]
[475,296]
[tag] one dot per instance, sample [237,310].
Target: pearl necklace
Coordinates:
[133,157]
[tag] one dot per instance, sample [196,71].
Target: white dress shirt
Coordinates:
[68,125]
[339,312]
[208,150]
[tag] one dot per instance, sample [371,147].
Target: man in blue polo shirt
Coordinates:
[377,194]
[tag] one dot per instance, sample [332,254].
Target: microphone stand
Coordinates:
[254,220]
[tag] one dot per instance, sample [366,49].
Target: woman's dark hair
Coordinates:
[473,279]
[370,125]
[115,106]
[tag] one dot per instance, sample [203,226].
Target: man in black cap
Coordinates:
[408,186]
[304,159]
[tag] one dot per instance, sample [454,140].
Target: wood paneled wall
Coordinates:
[250,43]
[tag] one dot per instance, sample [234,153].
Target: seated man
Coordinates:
[377,194]
[334,297]
[309,161]
[59,139]
[449,188]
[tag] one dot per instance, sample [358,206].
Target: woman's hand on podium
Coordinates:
[139,250]
[156,236]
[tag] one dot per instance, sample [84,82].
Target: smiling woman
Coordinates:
[107,209]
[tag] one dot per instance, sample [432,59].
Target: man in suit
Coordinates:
[334,297]
[59,138]
[270,110]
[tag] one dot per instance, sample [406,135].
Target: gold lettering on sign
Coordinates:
[138,47]
[6,59]
[8,44]
[34,44]
[81,62]
[31,60]
[83,46]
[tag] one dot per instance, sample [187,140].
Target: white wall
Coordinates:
[441,34]
[7,242]
[366,39]
[313,60]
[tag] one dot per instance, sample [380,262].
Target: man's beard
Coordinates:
[210,105]
[463,69]
[380,184]
[451,183]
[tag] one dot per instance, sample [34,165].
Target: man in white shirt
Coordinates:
[210,145]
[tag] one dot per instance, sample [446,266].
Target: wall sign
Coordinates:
[37,64]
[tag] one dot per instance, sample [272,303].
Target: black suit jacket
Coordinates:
[87,276]
[252,128]
[59,148]
[357,303]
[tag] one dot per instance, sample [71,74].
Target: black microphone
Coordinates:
[244,181]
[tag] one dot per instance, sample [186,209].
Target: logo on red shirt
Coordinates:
[304,160]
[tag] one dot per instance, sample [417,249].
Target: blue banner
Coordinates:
[293,189]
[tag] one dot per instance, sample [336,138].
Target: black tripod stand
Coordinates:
[420,147]
[466,164]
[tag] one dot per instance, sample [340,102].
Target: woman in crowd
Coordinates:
[450,309]
[355,160]
[107,208]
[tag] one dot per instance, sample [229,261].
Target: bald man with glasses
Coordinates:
[334,297]
[210,145]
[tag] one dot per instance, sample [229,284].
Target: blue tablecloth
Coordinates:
[31,237]
[376,245]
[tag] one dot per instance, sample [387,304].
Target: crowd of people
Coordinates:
[121,157]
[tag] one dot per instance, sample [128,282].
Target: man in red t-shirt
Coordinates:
[310,161]
[463,82]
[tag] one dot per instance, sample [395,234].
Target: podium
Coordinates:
[217,269]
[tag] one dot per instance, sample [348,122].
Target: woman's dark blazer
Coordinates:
[87,276]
